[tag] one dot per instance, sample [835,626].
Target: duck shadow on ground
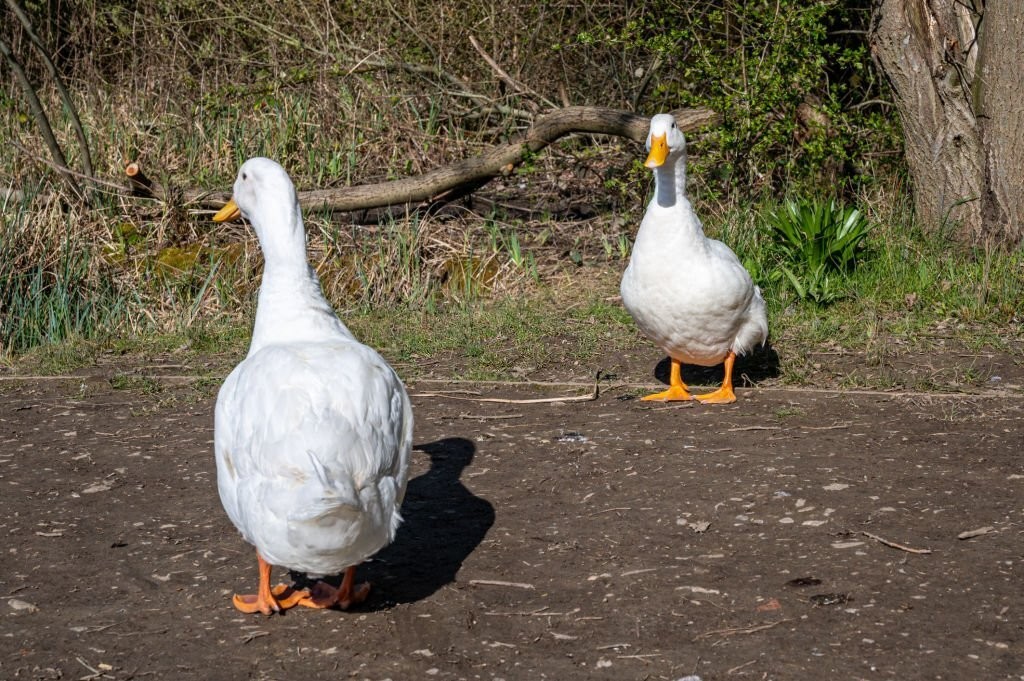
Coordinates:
[752,368]
[443,524]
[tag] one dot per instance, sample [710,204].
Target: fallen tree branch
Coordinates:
[444,184]
[546,129]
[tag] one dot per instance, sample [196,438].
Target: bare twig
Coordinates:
[536,400]
[970,534]
[539,612]
[41,120]
[648,75]
[893,544]
[739,667]
[254,635]
[838,426]
[120,188]
[507,79]
[610,510]
[484,417]
[76,122]
[732,631]
[501,400]
[498,582]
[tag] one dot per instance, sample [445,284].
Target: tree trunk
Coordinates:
[1000,96]
[956,82]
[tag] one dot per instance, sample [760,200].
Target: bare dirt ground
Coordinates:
[796,534]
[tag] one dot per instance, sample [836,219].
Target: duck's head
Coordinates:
[265,196]
[261,185]
[665,139]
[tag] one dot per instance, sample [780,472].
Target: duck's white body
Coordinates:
[689,294]
[313,430]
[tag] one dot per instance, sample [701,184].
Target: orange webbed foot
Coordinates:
[323,595]
[720,396]
[676,392]
[725,394]
[281,598]
[673,394]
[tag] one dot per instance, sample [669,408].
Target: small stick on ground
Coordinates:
[498,582]
[739,667]
[484,417]
[536,400]
[970,534]
[838,426]
[502,400]
[892,544]
[539,612]
[741,630]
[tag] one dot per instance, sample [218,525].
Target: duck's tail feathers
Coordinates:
[389,496]
[755,327]
[337,496]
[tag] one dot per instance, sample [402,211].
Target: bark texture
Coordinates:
[955,68]
[1001,103]
[477,170]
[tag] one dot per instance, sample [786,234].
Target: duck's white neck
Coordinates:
[282,237]
[670,182]
[670,221]
[291,306]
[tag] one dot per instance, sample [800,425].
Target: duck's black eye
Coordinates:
[244,176]
[673,125]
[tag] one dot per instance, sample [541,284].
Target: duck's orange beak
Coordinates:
[230,211]
[659,151]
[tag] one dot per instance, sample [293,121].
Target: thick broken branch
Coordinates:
[468,174]
[545,130]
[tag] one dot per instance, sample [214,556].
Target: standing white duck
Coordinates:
[313,429]
[687,293]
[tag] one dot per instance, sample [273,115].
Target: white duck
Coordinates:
[313,430]
[687,293]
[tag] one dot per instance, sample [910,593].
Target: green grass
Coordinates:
[484,297]
[51,295]
[485,294]
[906,293]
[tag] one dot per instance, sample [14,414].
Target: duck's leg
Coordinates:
[267,600]
[723,395]
[323,595]
[676,388]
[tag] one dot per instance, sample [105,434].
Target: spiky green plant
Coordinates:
[817,243]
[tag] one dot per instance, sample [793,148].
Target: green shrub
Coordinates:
[801,104]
